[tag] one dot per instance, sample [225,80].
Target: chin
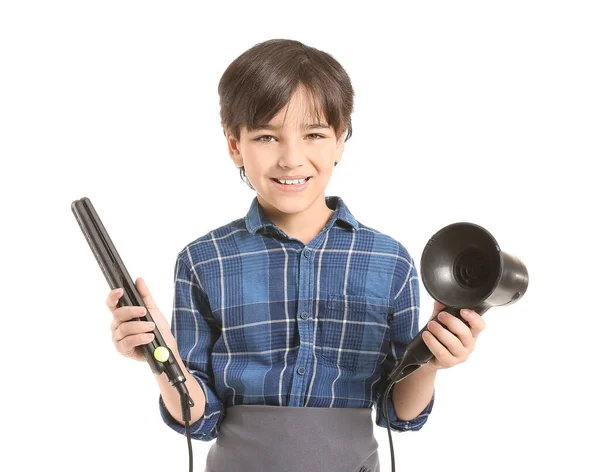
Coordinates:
[288,203]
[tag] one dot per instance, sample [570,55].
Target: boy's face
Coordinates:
[288,152]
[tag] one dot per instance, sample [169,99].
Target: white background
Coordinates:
[486,112]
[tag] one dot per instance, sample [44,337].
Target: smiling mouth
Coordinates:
[291,185]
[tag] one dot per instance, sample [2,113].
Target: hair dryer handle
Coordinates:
[417,349]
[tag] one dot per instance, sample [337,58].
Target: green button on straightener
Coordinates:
[161,354]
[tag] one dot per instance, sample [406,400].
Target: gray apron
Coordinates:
[267,438]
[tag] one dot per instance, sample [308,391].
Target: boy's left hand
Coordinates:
[454,344]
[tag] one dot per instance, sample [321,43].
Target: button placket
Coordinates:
[305,293]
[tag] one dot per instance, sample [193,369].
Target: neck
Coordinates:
[304,225]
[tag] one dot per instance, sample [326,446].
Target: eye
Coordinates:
[315,137]
[259,139]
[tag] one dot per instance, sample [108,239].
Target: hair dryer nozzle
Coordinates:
[463,266]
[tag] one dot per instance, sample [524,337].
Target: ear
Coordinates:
[339,148]
[233,147]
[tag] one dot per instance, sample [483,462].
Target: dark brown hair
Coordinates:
[262,80]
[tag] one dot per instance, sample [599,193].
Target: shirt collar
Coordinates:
[257,219]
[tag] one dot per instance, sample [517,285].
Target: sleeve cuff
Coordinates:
[205,428]
[397,424]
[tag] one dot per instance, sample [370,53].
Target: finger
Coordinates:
[448,339]
[145,294]
[113,298]
[457,328]
[132,328]
[437,348]
[128,343]
[127,313]
[475,321]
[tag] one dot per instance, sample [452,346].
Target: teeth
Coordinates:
[292,182]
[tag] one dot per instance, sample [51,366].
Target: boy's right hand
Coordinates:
[127,335]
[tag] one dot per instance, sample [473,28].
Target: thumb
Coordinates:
[437,307]
[142,288]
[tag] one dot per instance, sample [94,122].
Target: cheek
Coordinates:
[257,166]
[324,159]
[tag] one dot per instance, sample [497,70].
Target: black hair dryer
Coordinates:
[462,266]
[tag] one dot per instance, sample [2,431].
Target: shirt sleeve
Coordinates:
[195,331]
[404,325]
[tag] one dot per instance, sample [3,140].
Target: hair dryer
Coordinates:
[462,266]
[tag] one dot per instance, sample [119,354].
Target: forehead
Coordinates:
[303,111]
[302,103]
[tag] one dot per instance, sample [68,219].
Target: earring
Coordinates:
[335,163]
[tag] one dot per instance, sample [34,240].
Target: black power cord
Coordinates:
[396,376]
[186,403]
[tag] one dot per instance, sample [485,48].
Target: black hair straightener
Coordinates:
[157,353]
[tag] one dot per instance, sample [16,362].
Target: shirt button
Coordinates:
[301,370]
[304,315]
[306,253]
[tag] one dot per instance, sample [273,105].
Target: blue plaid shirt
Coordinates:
[261,318]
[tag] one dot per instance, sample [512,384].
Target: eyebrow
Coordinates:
[278,128]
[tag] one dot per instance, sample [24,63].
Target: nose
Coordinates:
[292,155]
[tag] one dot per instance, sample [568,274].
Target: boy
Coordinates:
[289,320]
